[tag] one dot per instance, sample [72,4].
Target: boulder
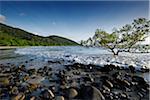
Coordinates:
[71,93]
[59,98]
[91,93]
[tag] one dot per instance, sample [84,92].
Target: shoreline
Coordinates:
[34,78]
[74,81]
[9,47]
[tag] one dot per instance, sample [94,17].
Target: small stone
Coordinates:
[47,94]
[32,98]
[109,84]
[106,88]
[126,83]
[4,81]
[123,95]
[14,90]
[35,98]
[20,96]
[140,94]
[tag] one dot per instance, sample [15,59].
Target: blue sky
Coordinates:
[76,20]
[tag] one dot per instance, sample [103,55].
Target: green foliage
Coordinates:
[10,36]
[123,39]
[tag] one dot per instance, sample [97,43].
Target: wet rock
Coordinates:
[116,75]
[138,79]
[88,79]
[106,88]
[144,70]
[126,83]
[32,87]
[123,96]
[71,93]
[52,62]
[140,95]
[4,81]
[47,94]
[91,93]
[108,84]
[103,78]
[19,96]
[32,98]
[35,79]
[35,98]
[59,98]
[108,68]
[14,90]
[132,69]
[32,71]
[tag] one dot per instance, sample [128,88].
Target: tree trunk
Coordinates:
[115,53]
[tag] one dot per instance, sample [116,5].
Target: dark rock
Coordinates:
[47,94]
[116,75]
[108,68]
[132,69]
[126,83]
[20,96]
[139,79]
[22,68]
[34,98]
[103,78]
[144,70]
[14,91]
[52,62]
[91,93]
[123,96]
[4,81]
[26,61]
[106,88]
[32,71]
[140,95]
[88,79]
[108,84]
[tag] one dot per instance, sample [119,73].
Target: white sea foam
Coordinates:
[84,55]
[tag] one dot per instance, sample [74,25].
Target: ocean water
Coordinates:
[71,54]
[86,55]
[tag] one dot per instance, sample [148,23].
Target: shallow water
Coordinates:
[69,54]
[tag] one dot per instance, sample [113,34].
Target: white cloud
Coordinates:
[2,18]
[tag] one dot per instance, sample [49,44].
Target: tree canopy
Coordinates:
[123,39]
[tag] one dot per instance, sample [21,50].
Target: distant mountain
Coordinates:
[10,36]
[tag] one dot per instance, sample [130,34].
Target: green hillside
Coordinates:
[10,36]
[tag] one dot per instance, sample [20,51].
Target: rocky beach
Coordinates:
[53,79]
